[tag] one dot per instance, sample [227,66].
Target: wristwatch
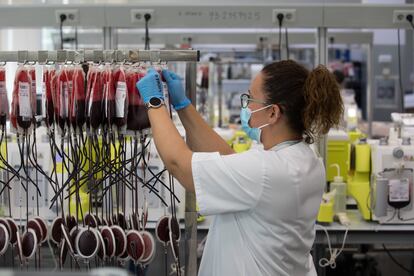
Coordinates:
[155,102]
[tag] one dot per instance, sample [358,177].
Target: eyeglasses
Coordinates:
[245,99]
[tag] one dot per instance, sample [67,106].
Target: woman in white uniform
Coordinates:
[264,202]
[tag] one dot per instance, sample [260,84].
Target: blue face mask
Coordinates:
[253,133]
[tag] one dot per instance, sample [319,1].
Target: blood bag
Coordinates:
[399,187]
[399,192]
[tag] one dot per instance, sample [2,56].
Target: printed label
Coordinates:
[71,97]
[25,109]
[63,99]
[70,83]
[105,93]
[34,86]
[66,94]
[3,90]
[43,100]
[90,106]
[120,95]
[399,190]
[4,104]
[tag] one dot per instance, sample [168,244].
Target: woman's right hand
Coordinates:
[176,90]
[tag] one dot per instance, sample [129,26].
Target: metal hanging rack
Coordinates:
[190,56]
[79,56]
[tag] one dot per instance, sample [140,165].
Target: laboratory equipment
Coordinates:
[326,209]
[358,184]
[392,186]
[338,148]
[403,127]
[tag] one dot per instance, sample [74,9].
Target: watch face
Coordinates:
[155,101]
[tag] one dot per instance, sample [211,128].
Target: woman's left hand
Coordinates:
[150,86]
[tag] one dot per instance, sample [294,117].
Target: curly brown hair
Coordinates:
[311,101]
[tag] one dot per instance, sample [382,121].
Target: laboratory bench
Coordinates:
[360,232]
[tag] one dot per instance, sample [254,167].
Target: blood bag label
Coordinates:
[43,99]
[4,104]
[70,95]
[120,95]
[399,190]
[25,108]
[34,86]
[2,88]
[70,83]
[105,95]
[64,100]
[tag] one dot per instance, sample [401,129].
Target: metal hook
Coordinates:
[49,62]
[68,62]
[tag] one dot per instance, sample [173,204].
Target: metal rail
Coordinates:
[78,56]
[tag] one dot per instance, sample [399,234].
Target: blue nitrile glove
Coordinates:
[175,90]
[150,86]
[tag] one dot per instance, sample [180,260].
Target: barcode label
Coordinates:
[34,86]
[399,190]
[120,95]
[43,100]
[25,108]
[3,90]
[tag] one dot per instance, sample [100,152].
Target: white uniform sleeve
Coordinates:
[227,183]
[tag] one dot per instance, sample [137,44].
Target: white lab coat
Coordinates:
[265,205]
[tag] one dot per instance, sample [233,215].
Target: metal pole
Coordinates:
[369,90]
[107,38]
[220,92]
[190,199]
[210,95]
[110,38]
[322,58]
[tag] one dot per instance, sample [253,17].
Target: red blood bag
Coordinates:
[137,111]
[4,101]
[95,100]
[47,100]
[22,114]
[78,108]
[62,93]
[32,73]
[89,79]
[69,75]
[109,96]
[53,89]
[121,97]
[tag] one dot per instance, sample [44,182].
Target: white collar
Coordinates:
[285,144]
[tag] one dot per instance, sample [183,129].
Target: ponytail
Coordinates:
[323,103]
[311,101]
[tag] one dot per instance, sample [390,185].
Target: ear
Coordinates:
[275,113]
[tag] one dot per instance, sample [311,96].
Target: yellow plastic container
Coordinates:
[359,179]
[240,142]
[355,135]
[326,212]
[337,153]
